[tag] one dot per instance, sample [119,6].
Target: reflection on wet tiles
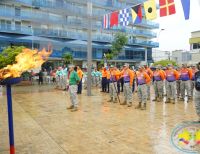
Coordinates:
[43,125]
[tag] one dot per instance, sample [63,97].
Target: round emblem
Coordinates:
[186,137]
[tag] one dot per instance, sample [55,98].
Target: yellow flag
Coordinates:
[150,9]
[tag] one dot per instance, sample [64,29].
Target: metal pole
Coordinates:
[146,55]
[32,36]
[158,39]
[89,48]
[10,119]
[32,28]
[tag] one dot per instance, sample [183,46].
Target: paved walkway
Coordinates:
[44,126]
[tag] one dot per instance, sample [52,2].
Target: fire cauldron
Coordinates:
[8,83]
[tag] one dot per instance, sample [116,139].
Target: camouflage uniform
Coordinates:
[185,76]
[148,90]
[158,88]
[142,93]
[171,89]
[192,86]
[185,85]
[197,102]
[178,84]
[113,94]
[171,77]
[127,92]
[73,95]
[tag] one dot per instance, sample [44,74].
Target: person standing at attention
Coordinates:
[73,86]
[197,91]
[150,73]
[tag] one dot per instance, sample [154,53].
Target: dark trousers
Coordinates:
[133,86]
[40,81]
[108,85]
[122,84]
[80,87]
[104,84]
[118,86]
[54,79]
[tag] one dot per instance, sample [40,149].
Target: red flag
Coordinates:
[167,7]
[114,19]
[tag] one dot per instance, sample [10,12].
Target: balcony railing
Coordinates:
[100,37]
[74,10]
[17,30]
[95,37]
[44,17]
[149,24]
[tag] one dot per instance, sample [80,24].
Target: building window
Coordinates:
[196,46]
[17,25]
[17,11]
[8,25]
[3,24]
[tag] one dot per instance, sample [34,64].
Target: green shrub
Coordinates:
[7,57]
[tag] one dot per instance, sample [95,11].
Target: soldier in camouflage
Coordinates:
[142,80]
[197,91]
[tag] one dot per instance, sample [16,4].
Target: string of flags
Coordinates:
[134,13]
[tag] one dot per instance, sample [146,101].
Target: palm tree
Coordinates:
[68,58]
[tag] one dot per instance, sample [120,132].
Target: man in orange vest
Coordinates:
[197,91]
[114,76]
[158,78]
[150,73]
[128,82]
[142,80]
[118,79]
[194,70]
[108,80]
[171,77]
[80,75]
[185,77]
[104,79]
[178,83]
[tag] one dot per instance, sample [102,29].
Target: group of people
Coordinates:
[175,83]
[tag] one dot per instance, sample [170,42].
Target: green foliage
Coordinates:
[164,63]
[68,58]
[7,57]
[101,64]
[119,42]
[109,56]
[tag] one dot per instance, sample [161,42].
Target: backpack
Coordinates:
[197,81]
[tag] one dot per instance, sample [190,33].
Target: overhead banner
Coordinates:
[186,8]
[134,14]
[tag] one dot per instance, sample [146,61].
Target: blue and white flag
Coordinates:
[124,16]
[186,8]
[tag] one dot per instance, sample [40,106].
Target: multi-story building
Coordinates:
[180,56]
[160,55]
[195,47]
[63,23]
[195,41]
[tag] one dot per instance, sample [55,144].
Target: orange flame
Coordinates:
[26,60]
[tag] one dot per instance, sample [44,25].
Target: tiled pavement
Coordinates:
[44,126]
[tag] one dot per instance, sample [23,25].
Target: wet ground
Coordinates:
[44,126]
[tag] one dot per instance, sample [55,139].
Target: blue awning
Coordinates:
[40,39]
